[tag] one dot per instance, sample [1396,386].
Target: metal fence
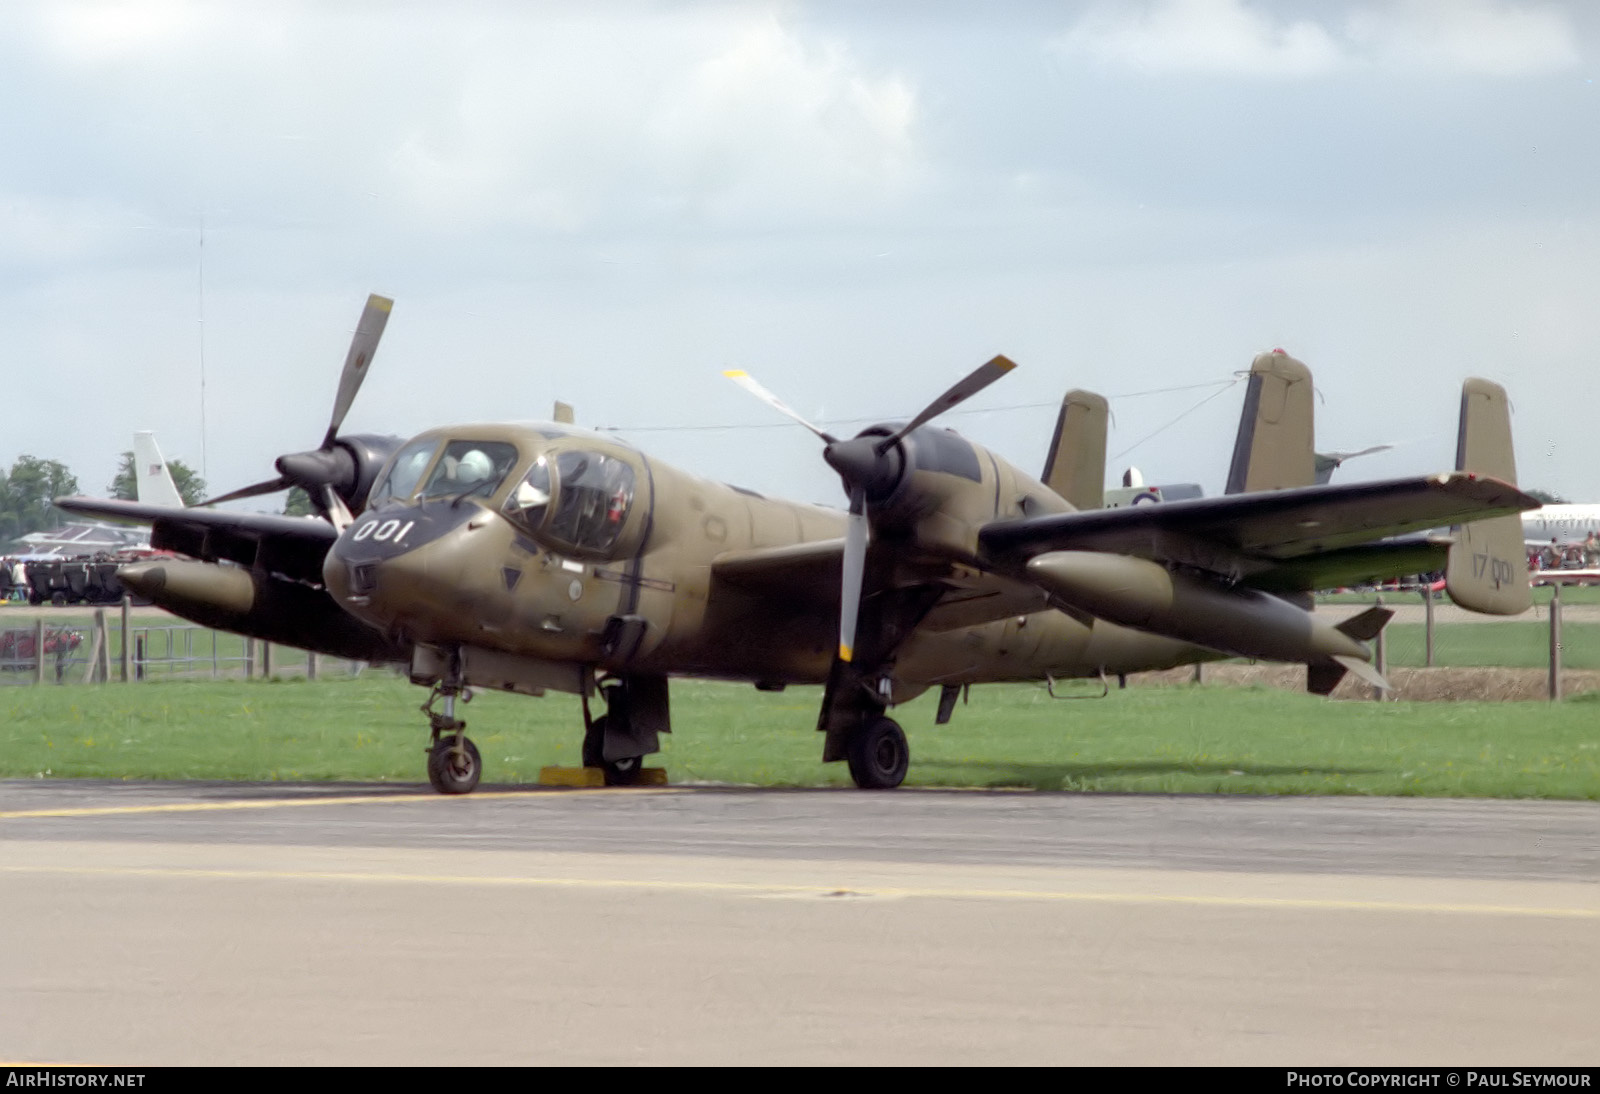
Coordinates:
[1559,635]
[113,647]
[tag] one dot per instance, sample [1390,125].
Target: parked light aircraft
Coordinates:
[535,557]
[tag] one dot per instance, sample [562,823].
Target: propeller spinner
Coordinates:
[322,471]
[871,466]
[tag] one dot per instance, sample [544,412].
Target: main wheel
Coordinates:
[879,755]
[450,773]
[623,772]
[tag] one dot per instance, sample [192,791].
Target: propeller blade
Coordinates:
[365,343]
[855,565]
[976,381]
[564,413]
[1340,457]
[271,486]
[338,512]
[748,382]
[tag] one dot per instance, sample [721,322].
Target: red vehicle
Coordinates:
[18,649]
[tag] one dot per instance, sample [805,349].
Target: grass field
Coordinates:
[1508,645]
[1169,739]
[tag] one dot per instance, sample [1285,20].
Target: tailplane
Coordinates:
[1487,571]
[1076,465]
[1273,449]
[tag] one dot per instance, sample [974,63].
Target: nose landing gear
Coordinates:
[454,765]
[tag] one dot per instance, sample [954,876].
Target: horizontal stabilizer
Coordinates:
[1365,627]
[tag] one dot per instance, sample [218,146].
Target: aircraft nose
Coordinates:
[375,541]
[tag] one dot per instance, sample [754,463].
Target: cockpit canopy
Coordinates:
[579,498]
[575,499]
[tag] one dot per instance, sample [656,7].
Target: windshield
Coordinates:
[404,474]
[470,467]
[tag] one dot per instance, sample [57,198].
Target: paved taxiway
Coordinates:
[198,923]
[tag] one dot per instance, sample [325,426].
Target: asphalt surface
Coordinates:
[223,923]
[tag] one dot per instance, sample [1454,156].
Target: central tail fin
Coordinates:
[1487,571]
[1076,465]
[1273,449]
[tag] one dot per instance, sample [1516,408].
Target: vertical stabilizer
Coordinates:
[152,481]
[1076,465]
[1487,571]
[1273,448]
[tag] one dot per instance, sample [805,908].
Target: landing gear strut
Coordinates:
[454,765]
[618,741]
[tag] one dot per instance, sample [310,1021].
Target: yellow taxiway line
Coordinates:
[351,799]
[757,888]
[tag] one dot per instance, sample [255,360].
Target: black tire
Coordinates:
[58,599]
[594,741]
[623,772]
[879,755]
[446,774]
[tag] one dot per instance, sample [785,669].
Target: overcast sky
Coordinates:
[856,202]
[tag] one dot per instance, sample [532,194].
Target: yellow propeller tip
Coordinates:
[845,653]
[734,373]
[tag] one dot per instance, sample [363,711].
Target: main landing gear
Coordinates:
[636,715]
[878,754]
[454,765]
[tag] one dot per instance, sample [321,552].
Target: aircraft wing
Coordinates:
[292,546]
[1301,537]
[806,575]
[797,572]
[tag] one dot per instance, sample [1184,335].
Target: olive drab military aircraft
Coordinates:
[531,558]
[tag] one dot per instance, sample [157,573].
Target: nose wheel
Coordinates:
[454,765]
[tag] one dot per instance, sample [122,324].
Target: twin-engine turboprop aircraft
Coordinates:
[537,557]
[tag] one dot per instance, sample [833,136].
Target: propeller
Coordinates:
[322,470]
[871,466]
[1329,462]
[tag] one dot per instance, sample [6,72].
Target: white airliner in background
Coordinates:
[1562,523]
